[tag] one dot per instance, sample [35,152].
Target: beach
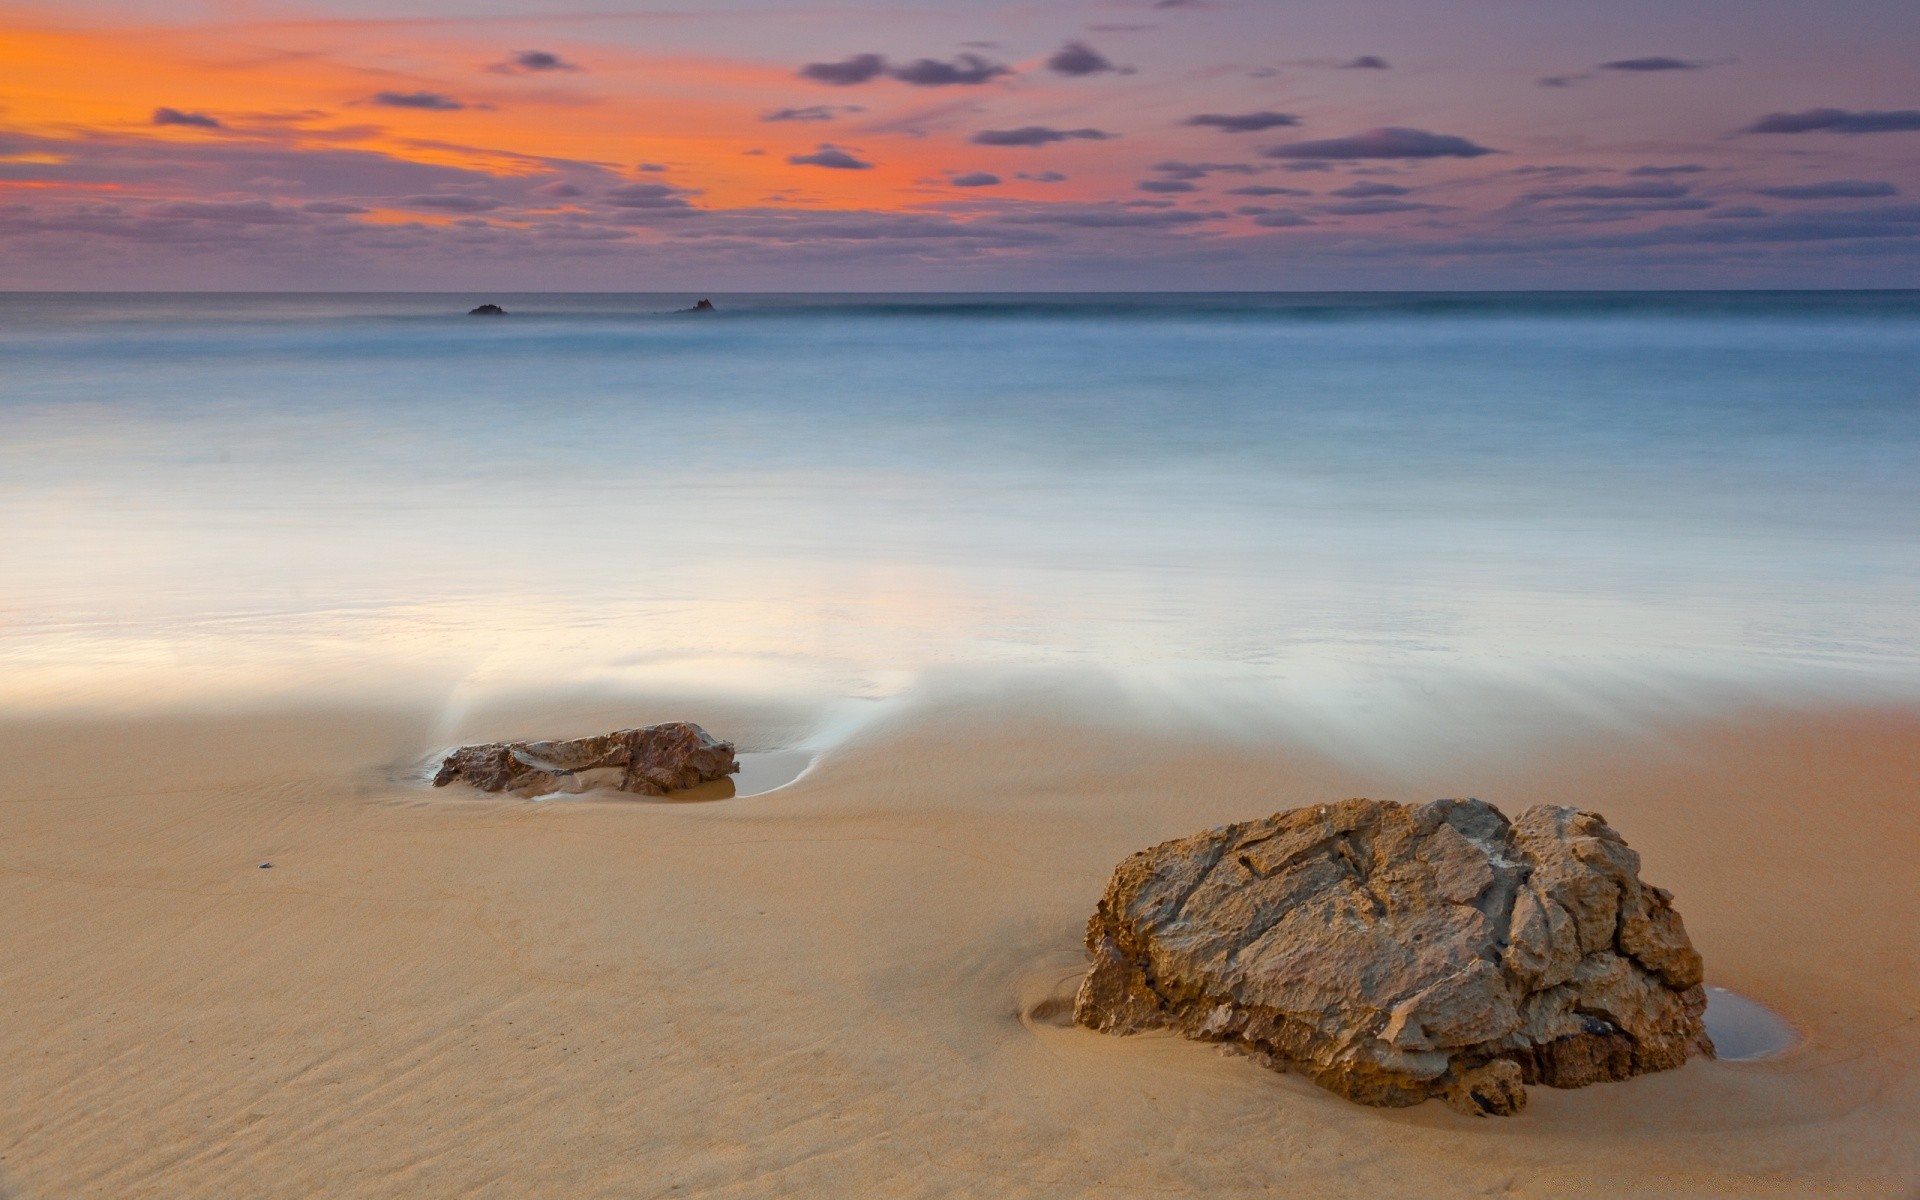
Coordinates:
[1026,584]
[848,986]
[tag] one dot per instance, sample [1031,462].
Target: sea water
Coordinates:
[243,494]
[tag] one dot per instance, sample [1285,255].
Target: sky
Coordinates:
[916,145]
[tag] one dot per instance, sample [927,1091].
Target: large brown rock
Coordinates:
[1392,952]
[651,761]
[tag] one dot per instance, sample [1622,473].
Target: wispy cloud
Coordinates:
[1386,142]
[531,62]
[1252,122]
[831,157]
[1838,120]
[1037,135]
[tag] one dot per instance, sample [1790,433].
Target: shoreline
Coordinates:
[841,986]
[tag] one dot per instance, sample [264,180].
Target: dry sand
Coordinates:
[841,988]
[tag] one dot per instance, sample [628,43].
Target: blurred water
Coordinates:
[211,494]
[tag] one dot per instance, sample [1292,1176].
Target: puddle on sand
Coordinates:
[759,773]
[1743,1030]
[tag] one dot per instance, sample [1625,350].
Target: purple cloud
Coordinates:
[1200,170]
[1835,189]
[1078,58]
[173,116]
[1653,62]
[1656,189]
[976,179]
[1366,62]
[1387,142]
[1251,122]
[1036,135]
[1367,189]
[860,68]
[531,62]
[965,71]
[811,112]
[244,212]
[1838,120]
[450,203]
[430,101]
[1166,185]
[646,195]
[829,156]
[1369,208]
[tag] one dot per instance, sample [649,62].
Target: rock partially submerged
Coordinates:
[487,310]
[1392,953]
[702,306]
[651,762]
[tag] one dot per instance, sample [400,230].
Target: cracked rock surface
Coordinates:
[651,762]
[1393,953]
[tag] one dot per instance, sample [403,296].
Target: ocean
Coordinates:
[236,497]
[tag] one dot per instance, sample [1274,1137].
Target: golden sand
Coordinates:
[849,986]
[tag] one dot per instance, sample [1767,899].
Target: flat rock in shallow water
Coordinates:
[1392,953]
[651,762]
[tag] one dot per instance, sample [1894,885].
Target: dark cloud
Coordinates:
[244,212]
[965,71]
[1889,221]
[1251,122]
[1838,120]
[1834,189]
[1366,62]
[1367,189]
[1040,176]
[1282,218]
[1096,216]
[1369,208]
[1653,189]
[1657,172]
[811,112]
[334,208]
[976,179]
[173,116]
[1166,185]
[1078,58]
[1560,81]
[1261,189]
[1621,210]
[450,203]
[861,68]
[1738,212]
[829,156]
[1389,142]
[791,226]
[1200,170]
[645,196]
[1036,135]
[531,62]
[1653,62]
[431,101]
[650,168]
[562,189]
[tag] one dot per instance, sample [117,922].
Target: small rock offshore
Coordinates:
[653,761]
[1393,953]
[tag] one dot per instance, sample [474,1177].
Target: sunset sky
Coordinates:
[1125,144]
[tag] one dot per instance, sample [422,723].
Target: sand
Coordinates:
[848,986]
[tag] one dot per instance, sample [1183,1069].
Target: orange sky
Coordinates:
[282,109]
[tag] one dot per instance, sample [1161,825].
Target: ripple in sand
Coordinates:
[1743,1031]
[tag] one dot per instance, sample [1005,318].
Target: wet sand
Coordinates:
[850,985]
